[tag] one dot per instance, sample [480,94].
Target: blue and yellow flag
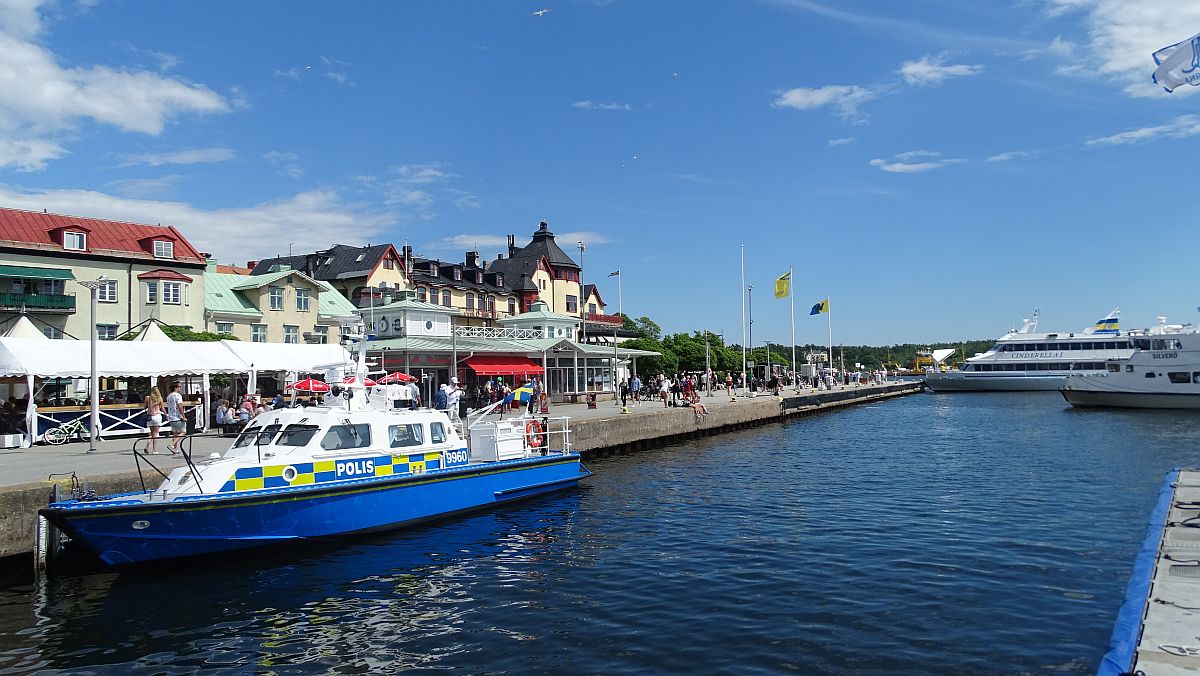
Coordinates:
[1110,324]
[783,285]
[521,394]
[819,308]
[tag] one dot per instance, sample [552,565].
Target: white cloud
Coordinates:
[287,164]
[1010,155]
[901,163]
[932,70]
[1060,7]
[592,105]
[144,187]
[310,220]
[567,240]
[844,98]
[1124,34]
[695,178]
[833,142]
[419,185]
[1181,127]
[42,102]
[470,242]
[190,156]
[341,78]
[1057,49]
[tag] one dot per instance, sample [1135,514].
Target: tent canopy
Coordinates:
[23,328]
[154,334]
[120,358]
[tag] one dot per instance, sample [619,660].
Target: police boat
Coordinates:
[356,464]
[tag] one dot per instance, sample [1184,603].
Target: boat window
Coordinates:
[1175,344]
[437,433]
[1129,368]
[1141,343]
[1085,346]
[346,436]
[406,435]
[246,437]
[1158,344]
[1114,368]
[1179,377]
[1149,374]
[1196,376]
[297,435]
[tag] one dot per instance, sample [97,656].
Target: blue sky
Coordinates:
[938,168]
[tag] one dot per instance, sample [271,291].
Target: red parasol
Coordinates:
[397,377]
[310,385]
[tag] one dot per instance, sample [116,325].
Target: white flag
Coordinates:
[1178,64]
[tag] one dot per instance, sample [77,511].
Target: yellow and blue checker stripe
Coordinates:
[323,471]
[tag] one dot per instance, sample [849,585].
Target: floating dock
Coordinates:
[1157,632]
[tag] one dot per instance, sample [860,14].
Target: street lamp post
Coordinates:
[94,382]
[582,301]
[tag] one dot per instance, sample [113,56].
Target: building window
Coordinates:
[491,305]
[542,284]
[291,334]
[446,297]
[106,331]
[302,296]
[360,258]
[151,293]
[164,249]
[421,293]
[107,293]
[172,293]
[75,241]
[225,328]
[433,269]
[275,294]
[388,263]
[458,274]
[499,279]
[52,332]
[572,304]
[258,333]
[479,278]
[591,308]
[470,301]
[321,335]
[512,306]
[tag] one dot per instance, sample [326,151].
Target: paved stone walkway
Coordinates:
[29,465]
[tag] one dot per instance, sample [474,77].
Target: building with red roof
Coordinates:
[149,272]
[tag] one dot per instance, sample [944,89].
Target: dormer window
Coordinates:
[433,269]
[75,241]
[164,249]
[458,274]
[499,279]
[479,278]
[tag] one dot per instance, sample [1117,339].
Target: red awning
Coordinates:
[500,365]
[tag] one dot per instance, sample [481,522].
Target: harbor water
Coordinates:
[931,534]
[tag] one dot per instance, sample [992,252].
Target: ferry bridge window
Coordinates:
[1179,377]
[1149,374]
[1175,344]
[400,436]
[297,435]
[1129,368]
[1196,376]
[437,433]
[344,436]
[1114,368]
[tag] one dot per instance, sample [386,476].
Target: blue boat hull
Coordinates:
[129,533]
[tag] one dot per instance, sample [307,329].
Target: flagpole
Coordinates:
[742,291]
[829,318]
[792,305]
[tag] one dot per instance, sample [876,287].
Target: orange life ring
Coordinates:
[533,434]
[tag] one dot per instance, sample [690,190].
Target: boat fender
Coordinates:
[533,433]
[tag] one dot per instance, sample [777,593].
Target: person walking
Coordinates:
[453,396]
[154,417]
[624,393]
[635,388]
[729,384]
[175,417]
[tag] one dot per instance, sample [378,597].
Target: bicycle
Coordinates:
[60,435]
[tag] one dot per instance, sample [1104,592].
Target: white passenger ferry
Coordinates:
[1023,359]
[1162,372]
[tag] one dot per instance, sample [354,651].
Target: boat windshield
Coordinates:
[257,435]
[297,435]
[246,437]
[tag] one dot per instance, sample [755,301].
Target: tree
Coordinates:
[649,328]
[184,334]
[628,324]
[666,362]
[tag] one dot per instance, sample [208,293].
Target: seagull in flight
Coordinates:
[541,12]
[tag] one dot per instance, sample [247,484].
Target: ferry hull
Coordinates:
[942,383]
[127,533]
[1093,398]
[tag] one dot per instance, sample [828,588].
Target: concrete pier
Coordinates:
[24,487]
[1157,626]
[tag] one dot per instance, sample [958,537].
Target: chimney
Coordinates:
[472,259]
[512,245]
[406,252]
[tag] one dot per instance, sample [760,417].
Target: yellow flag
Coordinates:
[783,285]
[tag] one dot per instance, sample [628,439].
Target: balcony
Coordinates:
[594,318]
[480,313]
[54,303]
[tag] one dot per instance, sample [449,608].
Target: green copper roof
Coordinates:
[333,303]
[220,296]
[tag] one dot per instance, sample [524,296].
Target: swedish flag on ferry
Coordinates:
[1110,324]
[521,394]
